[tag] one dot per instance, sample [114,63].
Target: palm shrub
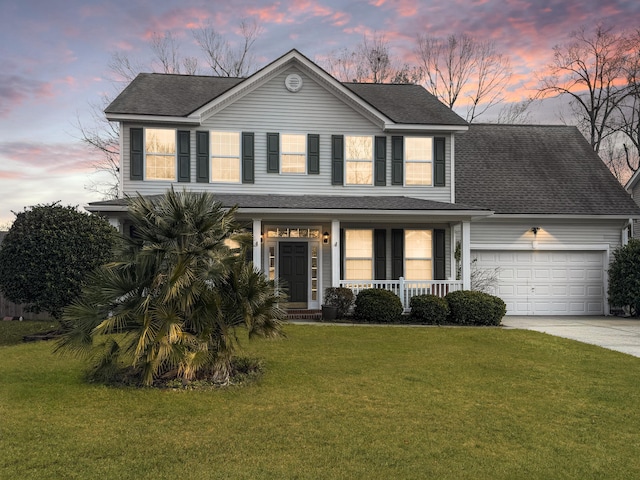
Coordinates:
[171,305]
[375,305]
[429,309]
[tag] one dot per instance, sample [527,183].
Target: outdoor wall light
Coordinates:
[534,244]
[325,237]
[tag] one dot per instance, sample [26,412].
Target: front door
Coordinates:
[293,270]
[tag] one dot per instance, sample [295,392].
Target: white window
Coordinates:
[293,156]
[160,154]
[225,157]
[358,254]
[418,160]
[418,255]
[359,160]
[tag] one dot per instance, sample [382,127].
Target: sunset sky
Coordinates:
[54,56]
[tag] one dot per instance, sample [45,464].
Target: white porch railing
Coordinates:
[405,289]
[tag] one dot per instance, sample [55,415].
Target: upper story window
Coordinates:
[225,157]
[358,254]
[418,255]
[418,160]
[293,153]
[160,154]
[359,160]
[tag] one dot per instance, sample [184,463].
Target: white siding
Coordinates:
[552,232]
[271,108]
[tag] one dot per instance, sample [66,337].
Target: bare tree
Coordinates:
[462,71]
[371,61]
[224,60]
[517,112]
[628,110]
[102,136]
[612,153]
[590,69]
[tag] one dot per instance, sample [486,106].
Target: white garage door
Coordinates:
[543,282]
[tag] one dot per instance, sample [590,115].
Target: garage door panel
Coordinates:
[547,282]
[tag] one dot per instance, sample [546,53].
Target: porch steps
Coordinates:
[303,314]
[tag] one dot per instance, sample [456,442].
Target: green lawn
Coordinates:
[13,331]
[339,402]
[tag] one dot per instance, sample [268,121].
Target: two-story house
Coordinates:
[360,185]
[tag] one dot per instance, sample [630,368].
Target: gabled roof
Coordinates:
[175,96]
[533,169]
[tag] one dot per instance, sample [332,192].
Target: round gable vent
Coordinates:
[293,82]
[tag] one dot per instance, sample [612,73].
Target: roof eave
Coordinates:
[565,216]
[418,127]
[126,117]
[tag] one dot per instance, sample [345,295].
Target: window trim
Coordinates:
[407,258]
[239,158]
[405,161]
[146,153]
[371,162]
[370,258]
[282,153]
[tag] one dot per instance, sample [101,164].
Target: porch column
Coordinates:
[335,253]
[257,243]
[465,260]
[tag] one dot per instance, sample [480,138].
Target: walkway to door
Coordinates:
[614,333]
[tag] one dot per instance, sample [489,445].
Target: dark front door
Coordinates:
[293,269]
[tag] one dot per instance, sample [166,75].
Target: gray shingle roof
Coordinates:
[322,202]
[170,95]
[180,95]
[532,169]
[406,103]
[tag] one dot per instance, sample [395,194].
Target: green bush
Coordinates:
[429,309]
[624,277]
[340,297]
[469,307]
[375,305]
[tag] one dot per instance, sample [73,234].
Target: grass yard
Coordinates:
[339,402]
[13,331]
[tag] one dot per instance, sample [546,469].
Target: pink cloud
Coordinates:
[16,89]
[51,158]
[9,175]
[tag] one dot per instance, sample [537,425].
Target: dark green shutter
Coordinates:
[397,254]
[273,153]
[136,151]
[439,163]
[184,156]
[313,154]
[380,161]
[397,160]
[438,255]
[247,158]
[202,157]
[380,254]
[337,160]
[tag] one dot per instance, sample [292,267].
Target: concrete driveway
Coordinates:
[614,333]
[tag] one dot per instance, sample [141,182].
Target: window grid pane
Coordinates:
[293,163]
[160,167]
[418,252]
[225,170]
[358,254]
[359,160]
[359,270]
[225,157]
[418,160]
[160,141]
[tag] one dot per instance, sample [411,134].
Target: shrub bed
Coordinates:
[375,305]
[428,309]
[469,307]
